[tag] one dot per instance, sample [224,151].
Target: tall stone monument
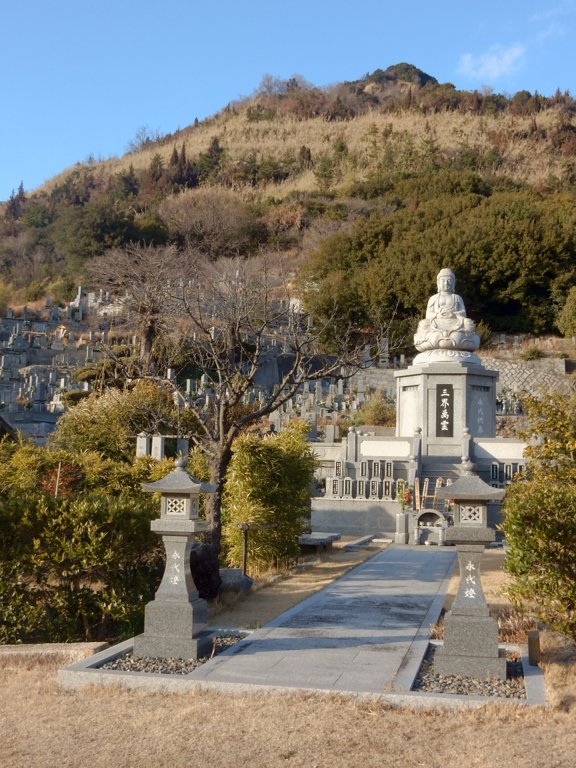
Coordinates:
[446,393]
[470,633]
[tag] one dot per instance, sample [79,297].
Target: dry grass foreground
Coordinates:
[43,726]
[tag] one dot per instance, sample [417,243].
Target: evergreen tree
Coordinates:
[539,520]
[15,205]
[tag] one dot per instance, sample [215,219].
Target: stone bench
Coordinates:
[363,541]
[320,541]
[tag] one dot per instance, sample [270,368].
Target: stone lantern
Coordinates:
[470,633]
[175,621]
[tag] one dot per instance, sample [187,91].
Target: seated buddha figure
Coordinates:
[446,325]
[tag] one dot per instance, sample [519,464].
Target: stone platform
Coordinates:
[364,635]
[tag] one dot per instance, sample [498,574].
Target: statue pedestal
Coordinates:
[442,398]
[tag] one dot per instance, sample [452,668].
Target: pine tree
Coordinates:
[15,205]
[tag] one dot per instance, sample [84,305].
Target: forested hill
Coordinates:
[367,188]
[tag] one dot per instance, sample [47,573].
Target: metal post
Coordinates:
[245,530]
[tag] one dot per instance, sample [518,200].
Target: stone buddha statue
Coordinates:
[446,326]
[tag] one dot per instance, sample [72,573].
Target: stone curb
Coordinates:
[85,673]
[52,649]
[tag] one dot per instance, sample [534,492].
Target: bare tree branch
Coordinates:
[234,315]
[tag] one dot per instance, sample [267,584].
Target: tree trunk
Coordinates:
[149,333]
[204,561]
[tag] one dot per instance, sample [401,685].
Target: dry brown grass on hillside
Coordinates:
[524,154]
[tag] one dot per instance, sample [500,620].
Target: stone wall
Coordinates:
[354,517]
[534,376]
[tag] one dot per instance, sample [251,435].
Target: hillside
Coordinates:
[370,185]
[527,137]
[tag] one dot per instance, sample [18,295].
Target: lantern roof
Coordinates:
[470,487]
[179,481]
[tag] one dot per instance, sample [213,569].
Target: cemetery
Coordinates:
[379,485]
[417,508]
[287,395]
[39,353]
[436,480]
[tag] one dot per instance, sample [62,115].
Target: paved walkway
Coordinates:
[366,632]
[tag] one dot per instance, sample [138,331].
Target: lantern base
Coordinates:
[156,647]
[174,629]
[470,648]
[478,667]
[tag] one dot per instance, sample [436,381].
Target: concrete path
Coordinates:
[365,633]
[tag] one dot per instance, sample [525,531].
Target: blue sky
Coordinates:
[80,78]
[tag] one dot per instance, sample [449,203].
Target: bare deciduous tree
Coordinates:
[235,314]
[140,276]
[237,309]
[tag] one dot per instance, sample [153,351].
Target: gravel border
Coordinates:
[425,682]
[511,688]
[171,666]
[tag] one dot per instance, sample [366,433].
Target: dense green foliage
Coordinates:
[268,484]
[512,249]
[77,558]
[540,517]
[566,320]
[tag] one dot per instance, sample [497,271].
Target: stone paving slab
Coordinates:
[364,635]
[358,634]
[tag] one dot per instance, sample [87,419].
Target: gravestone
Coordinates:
[143,444]
[158,446]
[384,353]
[329,433]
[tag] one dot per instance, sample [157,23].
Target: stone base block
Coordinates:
[173,647]
[470,636]
[233,580]
[174,629]
[167,618]
[480,667]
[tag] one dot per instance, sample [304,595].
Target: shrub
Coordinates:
[268,484]
[539,522]
[532,353]
[377,410]
[78,563]
[79,569]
